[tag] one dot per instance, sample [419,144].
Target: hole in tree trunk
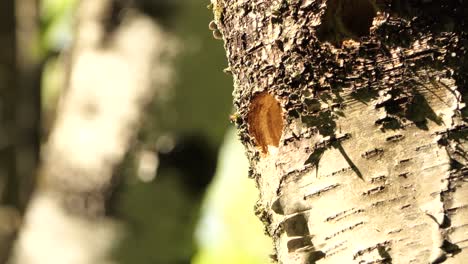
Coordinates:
[265,121]
[346,19]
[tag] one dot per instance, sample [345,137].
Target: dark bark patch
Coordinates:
[298,243]
[450,248]
[419,111]
[265,121]
[277,207]
[388,123]
[315,256]
[296,225]
[288,205]
[346,19]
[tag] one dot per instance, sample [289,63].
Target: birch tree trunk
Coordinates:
[353,116]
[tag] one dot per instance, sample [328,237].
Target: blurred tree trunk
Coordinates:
[9,215]
[354,120]
[28,102]
[20,111]
[119,60]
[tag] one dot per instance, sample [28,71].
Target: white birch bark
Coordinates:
[354,119]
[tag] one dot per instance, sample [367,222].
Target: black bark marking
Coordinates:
[395,138]
[298,243]
[380,178]
[277,207]
[346,229]
[381,248]
[296,225]
[321,191]
[372,153]
[404,161]
[344,214]
[374,190]
[314,256]
[450,248]
[288,206]
[384,202]
[404,175]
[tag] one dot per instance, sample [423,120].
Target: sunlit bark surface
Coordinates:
[370,165]
[118,61]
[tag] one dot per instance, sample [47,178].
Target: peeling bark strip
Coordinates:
[373,148]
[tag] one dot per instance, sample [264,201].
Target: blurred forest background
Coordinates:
[115,139]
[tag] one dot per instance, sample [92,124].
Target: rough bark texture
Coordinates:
[370,165]
[118,60]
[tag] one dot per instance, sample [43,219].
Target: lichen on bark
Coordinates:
[371,163]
